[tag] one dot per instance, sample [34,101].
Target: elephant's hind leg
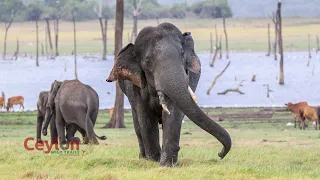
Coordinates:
[60,124]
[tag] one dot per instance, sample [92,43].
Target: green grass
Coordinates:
[243,34]
[265,150]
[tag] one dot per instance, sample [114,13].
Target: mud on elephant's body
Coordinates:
[74,104]
[41,109]
[155,74]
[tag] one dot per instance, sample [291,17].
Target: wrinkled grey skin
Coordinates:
[41,108]
[73,103]
[159,67]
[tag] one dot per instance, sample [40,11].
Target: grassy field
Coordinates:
[244,34]
[262,149]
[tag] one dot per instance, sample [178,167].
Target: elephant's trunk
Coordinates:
[174,84]
[46,121]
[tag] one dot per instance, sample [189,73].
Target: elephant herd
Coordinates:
[158,74]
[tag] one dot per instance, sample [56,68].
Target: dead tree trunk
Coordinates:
[7,26]
[211,45]
[274,19]
[214,56]
[318,48]
[217,40]
[233,90]
[216,78]
[157,20]
[117,119]
[268,90]
[269,44]
[136,12]
[104,37]
[46,42]
[49,38]
[279,19]
[37,44]
[16,54]
[309,46]
[75,47]
[226,35]
[56,32]
[220,45]
[42,50]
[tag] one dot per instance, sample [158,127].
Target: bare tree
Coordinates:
[117,119]
[318,48]
[217,40]
[56,32]
[275,22]
[269,44]
[216,78]
[226,35]
[104,36]
[7,26]
[211,45]
[16,54]
[49,37]
[268,90]
[75,47]
[42,50]
[37,44]
[279,20]
[136,12]
[220,45]
[46,41]
[309,46]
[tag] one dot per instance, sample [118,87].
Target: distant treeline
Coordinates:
[28,10]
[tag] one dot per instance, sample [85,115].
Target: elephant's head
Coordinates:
[50,106]
[161,58]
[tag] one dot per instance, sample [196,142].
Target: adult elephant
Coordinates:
[73,103]
[155,73]
[41,110]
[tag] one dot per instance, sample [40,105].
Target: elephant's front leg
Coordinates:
[53,130]
[39,126]
[171,135]
[142,153]
[148,123]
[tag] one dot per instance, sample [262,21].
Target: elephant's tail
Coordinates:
[89,120]
[101,137]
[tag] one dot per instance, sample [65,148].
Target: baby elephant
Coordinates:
[41,108]
[73,103]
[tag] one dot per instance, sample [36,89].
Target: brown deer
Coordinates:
[15,100]
[2,101]
[111,112]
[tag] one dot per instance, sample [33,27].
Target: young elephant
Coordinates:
[72,103]
[41,108]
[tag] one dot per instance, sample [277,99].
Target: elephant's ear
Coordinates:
[127,67]
[193,62]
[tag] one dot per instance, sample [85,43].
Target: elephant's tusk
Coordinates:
[192,95]
[165,108]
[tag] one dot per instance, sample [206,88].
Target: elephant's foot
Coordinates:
[75,140]
[155,157]
[142,156]
[85,140]
[93,140]
[169,160]
[151,154]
